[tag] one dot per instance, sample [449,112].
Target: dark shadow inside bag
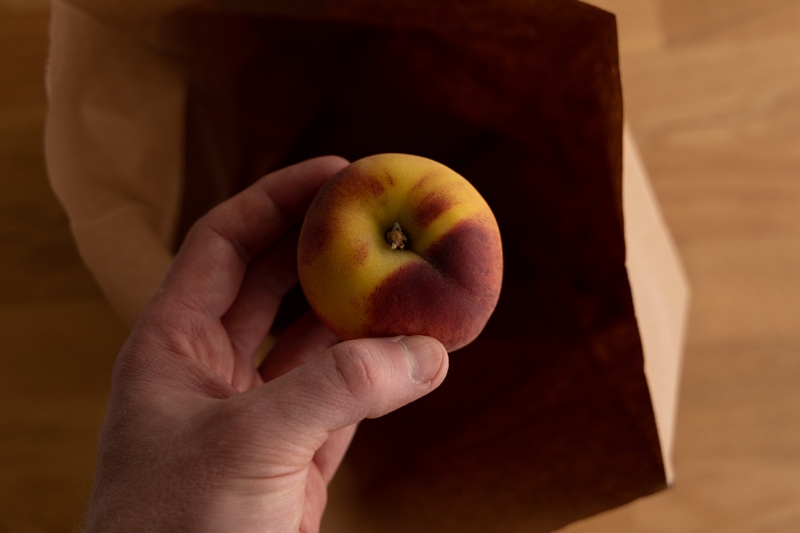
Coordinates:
[547,417]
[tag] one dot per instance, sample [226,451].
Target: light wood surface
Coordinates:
[712,92]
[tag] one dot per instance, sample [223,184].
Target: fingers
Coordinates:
[269,277]
[353,380]
[304,340]
[208,270]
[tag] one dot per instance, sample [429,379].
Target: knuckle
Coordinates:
[356,369]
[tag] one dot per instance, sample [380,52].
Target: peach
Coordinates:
[397,244]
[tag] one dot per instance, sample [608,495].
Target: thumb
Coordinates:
[353,380]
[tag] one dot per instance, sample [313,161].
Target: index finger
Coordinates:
[208,270]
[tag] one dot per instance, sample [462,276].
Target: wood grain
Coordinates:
[712,92]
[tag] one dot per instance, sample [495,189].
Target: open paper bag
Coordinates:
[564,406]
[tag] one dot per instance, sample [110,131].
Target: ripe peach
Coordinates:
[398,244]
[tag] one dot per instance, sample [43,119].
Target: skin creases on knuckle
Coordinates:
[357,369]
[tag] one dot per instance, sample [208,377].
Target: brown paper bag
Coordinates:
[163,108]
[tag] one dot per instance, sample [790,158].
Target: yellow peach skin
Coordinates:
[441,278]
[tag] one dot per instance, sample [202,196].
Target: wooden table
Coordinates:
[712,92]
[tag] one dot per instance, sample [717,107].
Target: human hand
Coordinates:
[196,437]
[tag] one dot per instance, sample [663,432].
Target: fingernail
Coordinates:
[424,357]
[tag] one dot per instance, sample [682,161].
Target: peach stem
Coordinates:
[396,238]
